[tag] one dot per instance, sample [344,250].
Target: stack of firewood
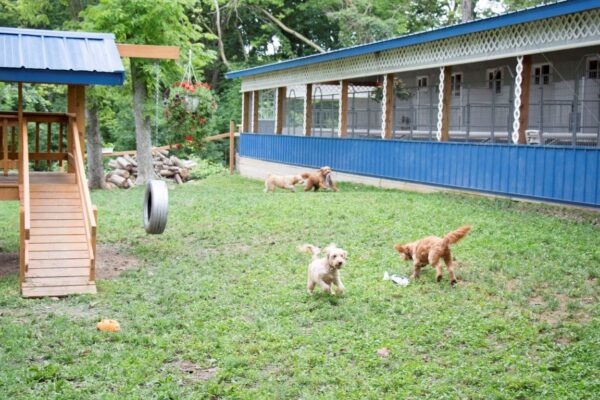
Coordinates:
[123,169]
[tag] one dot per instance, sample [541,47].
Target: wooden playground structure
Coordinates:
[58,222]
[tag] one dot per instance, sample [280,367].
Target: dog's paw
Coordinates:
[453,282]
[438,278]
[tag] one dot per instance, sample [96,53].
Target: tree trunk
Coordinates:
[467,10]
[94,148]
[143,140]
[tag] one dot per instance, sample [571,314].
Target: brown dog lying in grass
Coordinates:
[282,181]
[430,249]
[320,179]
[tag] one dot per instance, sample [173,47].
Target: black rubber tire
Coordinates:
[156,207]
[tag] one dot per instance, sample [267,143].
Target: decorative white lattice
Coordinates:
[440,114]
[384,109]
[340,116]
[517,106]
[568,31]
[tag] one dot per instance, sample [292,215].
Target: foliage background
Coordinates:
[249,38]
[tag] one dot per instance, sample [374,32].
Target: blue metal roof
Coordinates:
[517,17]
[43,56]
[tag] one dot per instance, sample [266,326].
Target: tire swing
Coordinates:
[156,198]
[156,207]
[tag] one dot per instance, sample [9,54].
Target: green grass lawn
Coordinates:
[218,307]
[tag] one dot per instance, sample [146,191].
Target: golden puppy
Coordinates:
[320,179]
[282,181]
[430,249]
[325,271]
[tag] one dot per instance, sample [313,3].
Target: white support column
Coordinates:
[387,106]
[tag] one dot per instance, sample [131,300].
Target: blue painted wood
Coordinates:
[547,173]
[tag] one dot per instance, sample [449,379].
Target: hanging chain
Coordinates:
[517,104]
[189,75]
[156,95]
[440,114]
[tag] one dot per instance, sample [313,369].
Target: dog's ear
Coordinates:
[330,247]
[345,254]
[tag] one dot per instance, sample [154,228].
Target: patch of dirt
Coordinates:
[566,214]
[553,317]
[563,340]
[511,285]
[113,261]
[9,264]
[194,372]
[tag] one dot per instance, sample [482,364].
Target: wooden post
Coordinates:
[524,108]
[5,145]
[308,110]
[280,110]
[343,112]
[255,106]
[446,102]
[246,112]
[93,264]
[37,143]
[388,109]
[231,147]
[20,127]
[76,105]
[60,144]
[48,145]
[21,245]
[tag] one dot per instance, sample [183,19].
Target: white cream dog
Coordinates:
[325,271]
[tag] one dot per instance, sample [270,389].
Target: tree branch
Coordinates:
[219,35]
[289,30]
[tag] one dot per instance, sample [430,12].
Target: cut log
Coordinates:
[124,164]
[131,160]
[118,180]
[121,172]
[166,172]
[113,164]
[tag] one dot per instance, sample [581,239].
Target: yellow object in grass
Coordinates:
[108,325]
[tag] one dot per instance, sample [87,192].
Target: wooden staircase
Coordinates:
[59,254]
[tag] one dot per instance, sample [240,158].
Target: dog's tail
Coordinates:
[457,234]
[305,175]
[309,248]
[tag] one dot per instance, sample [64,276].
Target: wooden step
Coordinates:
[55,202]
[61,263]
[56,281]
[57,239]
[44,291]
[53,223]
[57,272]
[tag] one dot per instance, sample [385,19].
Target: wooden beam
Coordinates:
[524,108]
[255,106]
[246,112]
[343,111]
[280,110]
[308,110]
[231,147]
[148,51]
[5,146]
[20,124]
[388,101]
[76,106]
[446,102]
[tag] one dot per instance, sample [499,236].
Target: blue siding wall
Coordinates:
[560,174]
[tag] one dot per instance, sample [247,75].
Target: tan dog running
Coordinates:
[282,182]
[429,250]
[320,179]
[325,271]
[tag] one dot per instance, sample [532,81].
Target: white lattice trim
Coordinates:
[440,114]
[304,118]
[340,116]
[384,106]
[517,104]
[564,32]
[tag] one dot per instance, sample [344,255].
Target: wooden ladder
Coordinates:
[60,256]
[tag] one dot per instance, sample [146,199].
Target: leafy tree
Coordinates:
[158,22]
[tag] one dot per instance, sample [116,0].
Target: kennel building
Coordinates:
[507,106]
